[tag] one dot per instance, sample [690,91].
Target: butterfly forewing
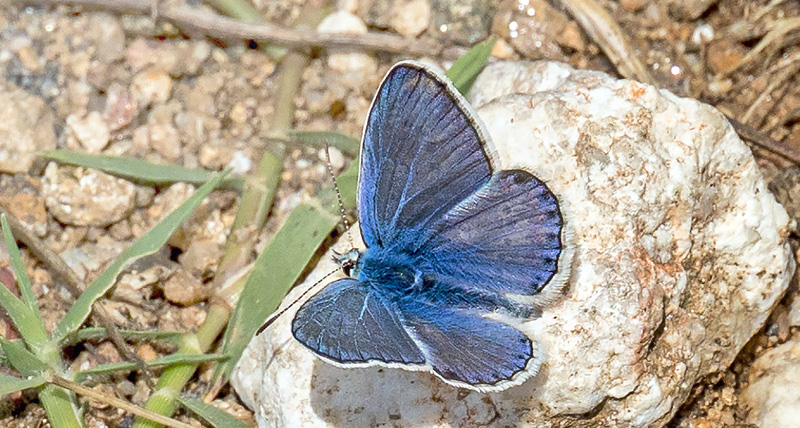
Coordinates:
[421,156]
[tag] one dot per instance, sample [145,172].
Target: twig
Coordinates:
[116,402]
[220,27]
[602,28]
[760,139]
[777,31]
[788,71]
[75,287]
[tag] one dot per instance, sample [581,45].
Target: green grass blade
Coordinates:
[26,320]
[212,415]
[274,273]
[148,244]
[23,360]
[102,369]
[23,282]
[62,407]
[84,334]
[280,264]
[11,384]
[466,69]
[138,170]
[348,145]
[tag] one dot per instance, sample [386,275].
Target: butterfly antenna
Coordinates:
[275,315]
[338,194]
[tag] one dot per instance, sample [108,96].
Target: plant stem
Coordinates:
[163,401]
[114,401]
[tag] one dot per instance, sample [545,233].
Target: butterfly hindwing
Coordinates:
[505,238]
[466,349]
[421,155]
[347,323]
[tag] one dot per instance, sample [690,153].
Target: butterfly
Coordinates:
[455,251]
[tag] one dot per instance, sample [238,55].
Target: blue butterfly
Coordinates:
[454,247]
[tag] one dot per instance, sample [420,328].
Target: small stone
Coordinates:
[411,18]
[688,10]
[633,5]
[108,36]
[215,157]
[90,257]
[184,289]
[120,107]
[22,196]
[146,352]
[134,287]
[86,197]
[772,395]
[165,140]
[107,353]
[30,59]
[240,163]
[502,50]
[537,29]
[201,256]
[724,55]
[91,132]
[337,158]
[358,64]
[151,86]
[26,127]
[191,317]
[126,387]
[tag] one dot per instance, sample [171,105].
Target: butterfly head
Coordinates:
[348,261]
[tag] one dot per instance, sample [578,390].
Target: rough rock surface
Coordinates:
[680,254]
[86,197]
[773,396]
[26,127]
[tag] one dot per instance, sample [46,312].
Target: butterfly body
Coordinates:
[455,247]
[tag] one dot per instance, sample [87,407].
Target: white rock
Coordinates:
[411,18]
[681,253]
[151,86]
[92,132]
[26,127]
[344,60]
[86,197]
[773,396]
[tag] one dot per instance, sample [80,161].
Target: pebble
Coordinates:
[358,64]
[91,257]
[151,86]
[108,37]
[201,256]
[772,395]
[120,108]
[724,55]
[134,287]
[689,10]
[184,289]
[22,197]
[633,5]
[146,352]
[165,140]
[337,158]
[26,127]
[411,18]
[91,131]
[86,197]
[536,29]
